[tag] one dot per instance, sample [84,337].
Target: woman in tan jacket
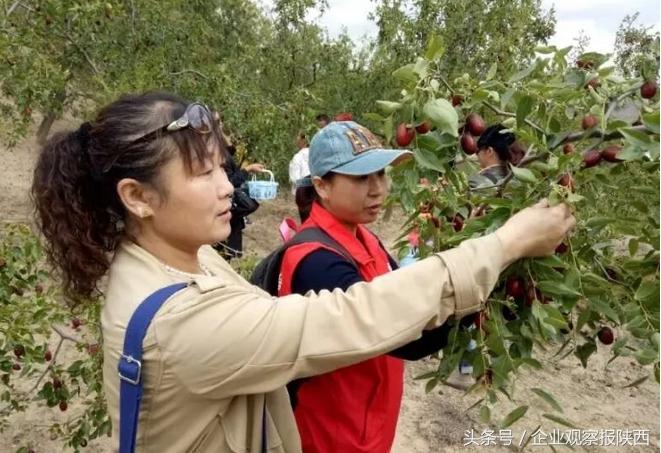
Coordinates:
[137,194]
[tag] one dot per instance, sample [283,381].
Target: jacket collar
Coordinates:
[364,247]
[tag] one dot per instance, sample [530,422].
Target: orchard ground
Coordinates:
[595,398]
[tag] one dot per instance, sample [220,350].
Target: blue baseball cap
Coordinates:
[348,148]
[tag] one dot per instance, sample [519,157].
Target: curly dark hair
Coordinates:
[77,207]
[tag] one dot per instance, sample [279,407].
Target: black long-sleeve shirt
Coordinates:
[237,177]
[323,269]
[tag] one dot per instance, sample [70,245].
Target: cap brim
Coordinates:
[372,161]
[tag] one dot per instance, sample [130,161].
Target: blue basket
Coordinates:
[263,190]
[411,257]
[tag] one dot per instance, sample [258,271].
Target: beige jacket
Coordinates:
[221,348]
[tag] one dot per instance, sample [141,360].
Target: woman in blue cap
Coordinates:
[355,408]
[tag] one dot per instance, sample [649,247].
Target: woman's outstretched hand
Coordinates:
[535,231]
[255,168]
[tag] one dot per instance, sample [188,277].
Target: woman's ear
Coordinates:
[322,187]
[137,198]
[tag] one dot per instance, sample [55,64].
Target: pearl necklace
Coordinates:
[205,271]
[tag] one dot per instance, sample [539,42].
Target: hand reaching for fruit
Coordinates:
[255,168]
[535,231]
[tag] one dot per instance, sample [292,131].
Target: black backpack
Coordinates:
[266,274]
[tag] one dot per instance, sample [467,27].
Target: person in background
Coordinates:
[128,204]
[493,155]
[323,120]
[298,165]
[232,247]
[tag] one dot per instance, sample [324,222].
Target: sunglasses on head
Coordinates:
[197,116]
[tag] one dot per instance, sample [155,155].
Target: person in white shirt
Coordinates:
[298,166]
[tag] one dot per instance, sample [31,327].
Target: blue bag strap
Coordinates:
[130,365]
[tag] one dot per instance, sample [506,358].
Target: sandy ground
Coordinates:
[594,398]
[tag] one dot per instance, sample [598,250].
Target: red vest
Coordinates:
[354,409]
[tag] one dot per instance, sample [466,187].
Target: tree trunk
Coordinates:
[44,127]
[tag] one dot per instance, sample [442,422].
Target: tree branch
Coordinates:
[13,7]
[48,368]
[576,136]
[66,335]
[497,111]
[192,71]
[83,52]
[63,336]
[132,17]
[445,82]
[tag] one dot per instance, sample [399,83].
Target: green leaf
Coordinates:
[600,222]
[635,137]
[584,351]
[545,49]
[532,363]
[551,261]
[492,71]
[557,289]
[548,398]
[435,48]
[640,206]
[429,160]
[420,67]
[563,421]
[406,73]
[523,174]
[555,318]
[388,128]
[523,109]
[651,121]
[602,307]
[485,414]
[427,375]
[523,73]
[443,115]
[505,98]
[574,198]
[513,416]
[631,152]
[647,290]
[583,318]
[495,342]
[494,95]
[373,116]
[428,141]
[388,106]
[596,58]
[633,246]
[645,189]
[646,356]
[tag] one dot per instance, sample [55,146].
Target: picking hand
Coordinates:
[535,231]
[255,168]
